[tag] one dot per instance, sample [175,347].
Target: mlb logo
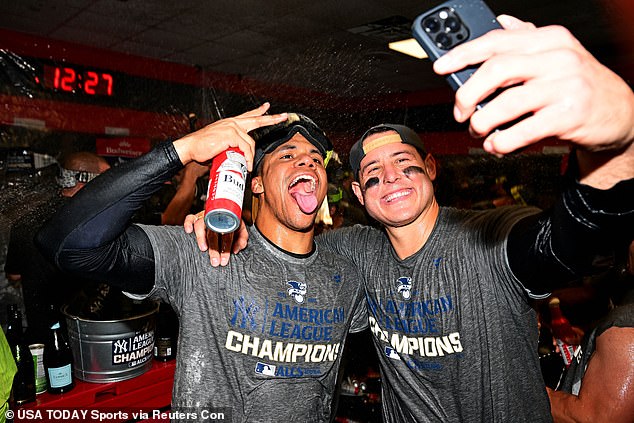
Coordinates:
[391,353]
[265,369]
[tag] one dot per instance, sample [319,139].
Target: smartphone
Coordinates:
[452,23]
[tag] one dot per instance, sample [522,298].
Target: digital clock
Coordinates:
[73,80]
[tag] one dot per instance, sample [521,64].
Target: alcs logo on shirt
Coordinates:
[404,287]
[297,290]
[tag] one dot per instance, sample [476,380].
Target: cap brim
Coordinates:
[407,135]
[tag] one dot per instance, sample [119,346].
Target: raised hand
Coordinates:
[566,91]
[211,140]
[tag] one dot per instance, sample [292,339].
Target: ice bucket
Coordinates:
[112,350]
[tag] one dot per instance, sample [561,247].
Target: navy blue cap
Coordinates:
[407,135]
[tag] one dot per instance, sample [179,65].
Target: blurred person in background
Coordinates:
[598,386]
[189,196]
[42,283]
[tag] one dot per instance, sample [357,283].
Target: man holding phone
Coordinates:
[448,290]
[465,333]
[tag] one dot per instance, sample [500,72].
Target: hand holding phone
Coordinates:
[452,23]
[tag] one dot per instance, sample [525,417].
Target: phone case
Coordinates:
[452,23]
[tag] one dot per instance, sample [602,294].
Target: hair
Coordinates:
[258,170]
[84,161]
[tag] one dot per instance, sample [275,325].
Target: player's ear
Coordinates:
[430,166]
[356,188]
[256,185]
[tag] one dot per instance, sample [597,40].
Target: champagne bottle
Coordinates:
[562,332]
[58,359]
[24,379]
[550,361]
[166,334]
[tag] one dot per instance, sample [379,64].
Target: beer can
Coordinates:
[37,351]
[225,194]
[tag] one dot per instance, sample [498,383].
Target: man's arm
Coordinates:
[607,388]
[564,92]
[180,205]
[91,235]
[547,250]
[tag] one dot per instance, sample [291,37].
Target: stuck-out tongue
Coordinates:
[305,196]
[307,203]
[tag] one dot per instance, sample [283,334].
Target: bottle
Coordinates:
[562,332]
[225,195]
[58,359]
[166,334]
[94,302]
[550,361]
[24,379]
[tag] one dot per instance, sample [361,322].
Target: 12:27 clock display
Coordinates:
[73,80]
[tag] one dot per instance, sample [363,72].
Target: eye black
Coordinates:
[371,182]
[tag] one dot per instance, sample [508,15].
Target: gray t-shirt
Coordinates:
[453,329]
[262,338]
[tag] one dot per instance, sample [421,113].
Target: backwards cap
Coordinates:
[405,136]
[268,138]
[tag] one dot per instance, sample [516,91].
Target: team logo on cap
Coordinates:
[404,287]
[297,290]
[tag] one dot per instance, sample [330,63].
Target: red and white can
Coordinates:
[225,195]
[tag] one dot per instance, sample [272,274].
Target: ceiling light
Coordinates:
[410,47]
[389,29]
